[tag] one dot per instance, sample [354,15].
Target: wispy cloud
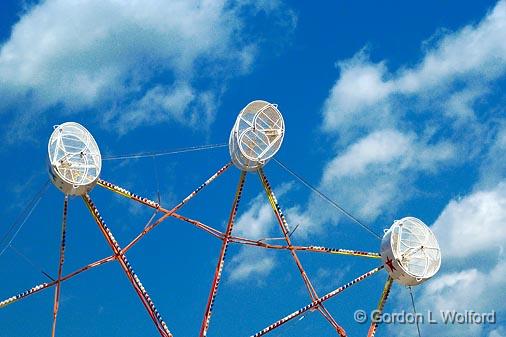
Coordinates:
[141,62]
[327,279]
[374,171]
[454,72]
[474,224]
[493,167]
[251,264]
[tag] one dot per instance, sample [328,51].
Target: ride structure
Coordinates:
[409,250]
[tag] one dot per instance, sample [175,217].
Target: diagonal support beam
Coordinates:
[284,228]
[127,268]
[221,260]
[315,249]
[56,303]
[46,285]
[155,205]
[214,232]
[381,305]
[316,303]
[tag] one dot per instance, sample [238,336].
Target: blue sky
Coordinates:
[392,109]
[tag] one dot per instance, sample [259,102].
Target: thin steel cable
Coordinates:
[151,218]
[159,199]
[327,199]
[157,180]
[30,262]
[293,230]
[414,310]
[295,324]
[23,216]
[165,153]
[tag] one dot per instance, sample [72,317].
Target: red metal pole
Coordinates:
[284,228]
[221,259]
[56,303]
[125,265]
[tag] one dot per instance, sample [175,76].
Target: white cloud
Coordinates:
[378,148]
[500,332]
[251,263]
[493,167]
[372,177]
[326,279]
[180,103]
[473,224]
[141,56]
[386,147]
[459,105]
[367,95]
[468,289]
[476,50]
[357,95]
[256,222]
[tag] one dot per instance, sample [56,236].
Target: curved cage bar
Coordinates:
[256,136]
[410,251]
[74,159]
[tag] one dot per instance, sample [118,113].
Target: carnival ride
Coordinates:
[409,250]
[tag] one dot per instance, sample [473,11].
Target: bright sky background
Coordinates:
[392,108]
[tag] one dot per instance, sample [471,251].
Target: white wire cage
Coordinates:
[74,159]
[410,251]
[256,136]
